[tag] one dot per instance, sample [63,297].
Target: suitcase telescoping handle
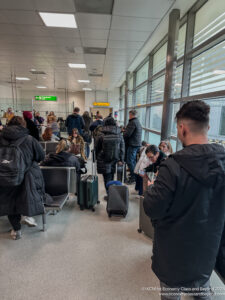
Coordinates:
[93,168]
[123,172]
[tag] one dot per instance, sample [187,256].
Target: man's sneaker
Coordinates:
[16,235]
[29,221]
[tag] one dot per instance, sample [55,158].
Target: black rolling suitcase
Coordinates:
[88,189]
[145,223]
[118,199]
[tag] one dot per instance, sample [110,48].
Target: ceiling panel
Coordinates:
[9,29]
[142,8]
[22,17]
[126,35]
[94,6]
[94,43]
[94,21]
[63,6]
[64,32]
[17,4]
[136,24]
[33,30]
[99,34]
[66,42]
[39,41]
[124,44]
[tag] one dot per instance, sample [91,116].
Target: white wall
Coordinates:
[101,96]
[6,98]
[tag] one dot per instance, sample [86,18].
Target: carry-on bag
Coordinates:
[145,223]
[118,199]
[88,189]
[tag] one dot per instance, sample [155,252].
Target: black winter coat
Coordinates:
[74,121]
[33,129]
[187,205]
[62,159]
[132,134]
[26,199]
[104,167]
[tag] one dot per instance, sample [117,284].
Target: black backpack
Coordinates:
[111,147]
[12,164]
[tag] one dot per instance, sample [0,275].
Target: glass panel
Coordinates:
[130,83]
[173,144]
[142,74]
[178,82]
[176,107]
[122,103]
[123,90]
[154,139]
[141,95]
[208,71]
[156,118]
[181,41]
[121,117]
[130,99]
[210,19]
[143,135]
[157,92]
[159,59]
[216,132]
[141,115]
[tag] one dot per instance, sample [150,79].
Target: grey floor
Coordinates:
[82,256]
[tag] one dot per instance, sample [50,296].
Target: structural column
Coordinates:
[126,98]
[171,62]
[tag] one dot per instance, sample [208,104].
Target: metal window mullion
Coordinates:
[126,97]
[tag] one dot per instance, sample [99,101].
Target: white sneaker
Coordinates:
[29,221]
[16,235]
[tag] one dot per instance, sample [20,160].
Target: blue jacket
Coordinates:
[74,121]
[95,124]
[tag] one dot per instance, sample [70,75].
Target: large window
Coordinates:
[157,92]
[142,115]
[181,41]
[177,82]
[159,59]
[156,118]
[141,95]
[142,74]
[154,139]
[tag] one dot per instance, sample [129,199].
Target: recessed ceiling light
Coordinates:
[44,77]
[41,87]
[87,89]
[33,70]
[85,81]
[58,20]
[78,66]
[22,78]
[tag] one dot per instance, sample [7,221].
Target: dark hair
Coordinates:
[18,121]
[133,112]
[144,143]
[47,135]
[153,149]
[198,112]
[76,110]
[86,115]
[110,122]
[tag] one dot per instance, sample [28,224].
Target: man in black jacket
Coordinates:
[156,156]
[186,204]
[132,138]
[109,149]
[75,121]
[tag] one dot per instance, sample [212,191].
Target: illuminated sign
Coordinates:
[45,98]
[101,103]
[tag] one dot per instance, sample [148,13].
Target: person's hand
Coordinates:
[150,182]
[1,127]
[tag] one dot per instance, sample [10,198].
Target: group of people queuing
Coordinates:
[183,192]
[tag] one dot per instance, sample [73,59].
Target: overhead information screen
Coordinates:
[45,98]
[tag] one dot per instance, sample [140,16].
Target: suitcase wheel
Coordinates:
[139,230]
[109,214]
[81,207]
[98,202]
[93,209]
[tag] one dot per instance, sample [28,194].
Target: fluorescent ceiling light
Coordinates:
[78,66]
[22,78]
[58,20]
[87,89]
[85,81]
[219,72]
[33,70]
[41,87]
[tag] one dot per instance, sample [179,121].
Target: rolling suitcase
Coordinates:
[145,223]
[88,189]
[118,200]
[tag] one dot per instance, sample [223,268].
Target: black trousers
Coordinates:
[108,177]
[15,221]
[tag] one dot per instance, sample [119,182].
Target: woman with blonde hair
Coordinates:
[51,116]
[78,145]
[166,147]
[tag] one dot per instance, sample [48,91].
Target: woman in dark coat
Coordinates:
[17,200]
[87,133]
[33,129]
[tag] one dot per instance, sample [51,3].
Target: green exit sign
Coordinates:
[46,98]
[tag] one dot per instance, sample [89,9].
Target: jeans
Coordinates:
[15,221]
[139,184]
[108,177]
[87,150]
[205,294]
[131,159]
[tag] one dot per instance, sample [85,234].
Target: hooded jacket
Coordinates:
[104,166]
[26,199]
[62,159]
[74,121]
[187,205]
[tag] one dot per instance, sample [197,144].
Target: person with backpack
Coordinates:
[75,121]
[109,149]
[21,186]
[95,124]
[87,133]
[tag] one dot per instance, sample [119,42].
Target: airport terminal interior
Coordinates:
[106,57]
